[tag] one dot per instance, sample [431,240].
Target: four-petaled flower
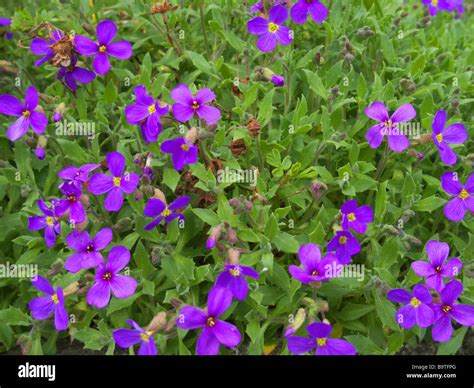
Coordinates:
[233,278]
[116,184]
[271,31]
[126,338]
[28,116]
[42,47]
[43,306]
[454,134]
[182,152]
[88,255]
[389,125]
[345,245]
[73,73]
[187,105]
[437,5]
[356,218]
[155,207]
[106,31]
[48,222]
[214,330]
[455,209]
[438,268]
[107,279]
[317,10]
[417,308]
[77,175]
[72,204]
[447,309]
[313,268]
[325,346]
[147,113]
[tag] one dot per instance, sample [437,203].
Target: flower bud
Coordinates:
[231,236]
[123,225]
[158,322]
[233,256]
[55,268]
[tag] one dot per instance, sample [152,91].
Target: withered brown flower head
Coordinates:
[63,51]
[254,127]
[238,147]
[162,8]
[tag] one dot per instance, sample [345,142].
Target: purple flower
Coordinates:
[57,116]
[257,7]
[107,279]
[417,308]
[215,331]
[88,255]
[73,73]
[454,134]
[320,340]
[42,47]
[10,106]
[42,307]
[146,112]
[233,278]
[71,203]
[40,152]
[271,31]
[182,152]
[345,245]
[397,141]
[314,269]
[436,5]
[78,176]
[437,268]
[6,22]
[186,105]
[106,31]
[48,222]
[447,309]
[126,338]
[116,184]
[278,80]
[317,10]
[157,208]
[455,209]
[356,218]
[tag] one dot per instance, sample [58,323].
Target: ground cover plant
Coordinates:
[227,177]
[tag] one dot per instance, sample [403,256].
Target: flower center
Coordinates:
[235,272]
[415,302]
[388,124]
[90,248]
[446,309]
[272,27]
[145,336]
[151,109]
[185,147]
[26,114]
[434,3]
[351,217]
[50,221]
[438,269]
[54,298]
[195,105]
[117,181]
[211,322]
[439,137]
[342,240]
[463,194]
[71,198]
[107,276]
[314,273]
[102,49]
[321,341]
[166,212]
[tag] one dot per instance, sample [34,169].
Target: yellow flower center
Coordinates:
[195,105]
[314,273]
[166,212]
[117,181]
[321,341]
[185,147]
[146,336]
[434,3]
[415,302]
[102,49]
[342,240]
[272,27]
[351,217]
[439,137]
[446,309]
[151,109]
[463,194]
[50,221]
[235,272]
[211,322]
[54,298]
[26,114]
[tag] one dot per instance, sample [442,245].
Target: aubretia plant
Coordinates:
[237,178]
